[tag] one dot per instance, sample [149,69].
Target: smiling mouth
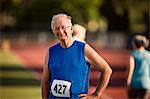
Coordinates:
[64,35]
[61,35]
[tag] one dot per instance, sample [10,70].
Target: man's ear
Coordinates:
[72,29]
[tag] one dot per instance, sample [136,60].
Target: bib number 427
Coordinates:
[61,88]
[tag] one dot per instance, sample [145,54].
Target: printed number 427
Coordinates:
[60,89]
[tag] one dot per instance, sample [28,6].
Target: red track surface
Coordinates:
[32,55]
[113,93]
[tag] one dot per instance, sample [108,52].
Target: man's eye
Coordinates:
[56,29]
[63,27]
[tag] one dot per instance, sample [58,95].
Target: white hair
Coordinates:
[55,17]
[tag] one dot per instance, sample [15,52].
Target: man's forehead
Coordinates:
[60,18]
[61,21]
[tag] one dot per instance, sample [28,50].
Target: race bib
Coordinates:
[61,88]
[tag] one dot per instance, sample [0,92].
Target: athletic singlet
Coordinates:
[141,74]
[69,71]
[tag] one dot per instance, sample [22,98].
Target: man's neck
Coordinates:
[67,43]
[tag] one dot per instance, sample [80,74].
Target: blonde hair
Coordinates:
[55,17]
[79,31]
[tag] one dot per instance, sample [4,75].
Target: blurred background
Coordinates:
[25,36]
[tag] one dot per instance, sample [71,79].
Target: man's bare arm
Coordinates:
[98,62]
[45,79]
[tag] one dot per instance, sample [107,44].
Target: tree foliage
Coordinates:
[38,13]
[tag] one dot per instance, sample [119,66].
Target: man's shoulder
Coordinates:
[54,46]
[80,41]
[77,39]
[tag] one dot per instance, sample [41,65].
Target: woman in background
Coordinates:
[138,80]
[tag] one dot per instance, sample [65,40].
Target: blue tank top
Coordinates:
[141,73]
[69,64]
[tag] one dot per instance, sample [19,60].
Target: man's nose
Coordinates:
[61,30]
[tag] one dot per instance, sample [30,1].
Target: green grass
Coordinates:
[16,74]
[17,82]
[9,58]
[15,92]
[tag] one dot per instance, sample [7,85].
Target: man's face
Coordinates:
[62,28]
